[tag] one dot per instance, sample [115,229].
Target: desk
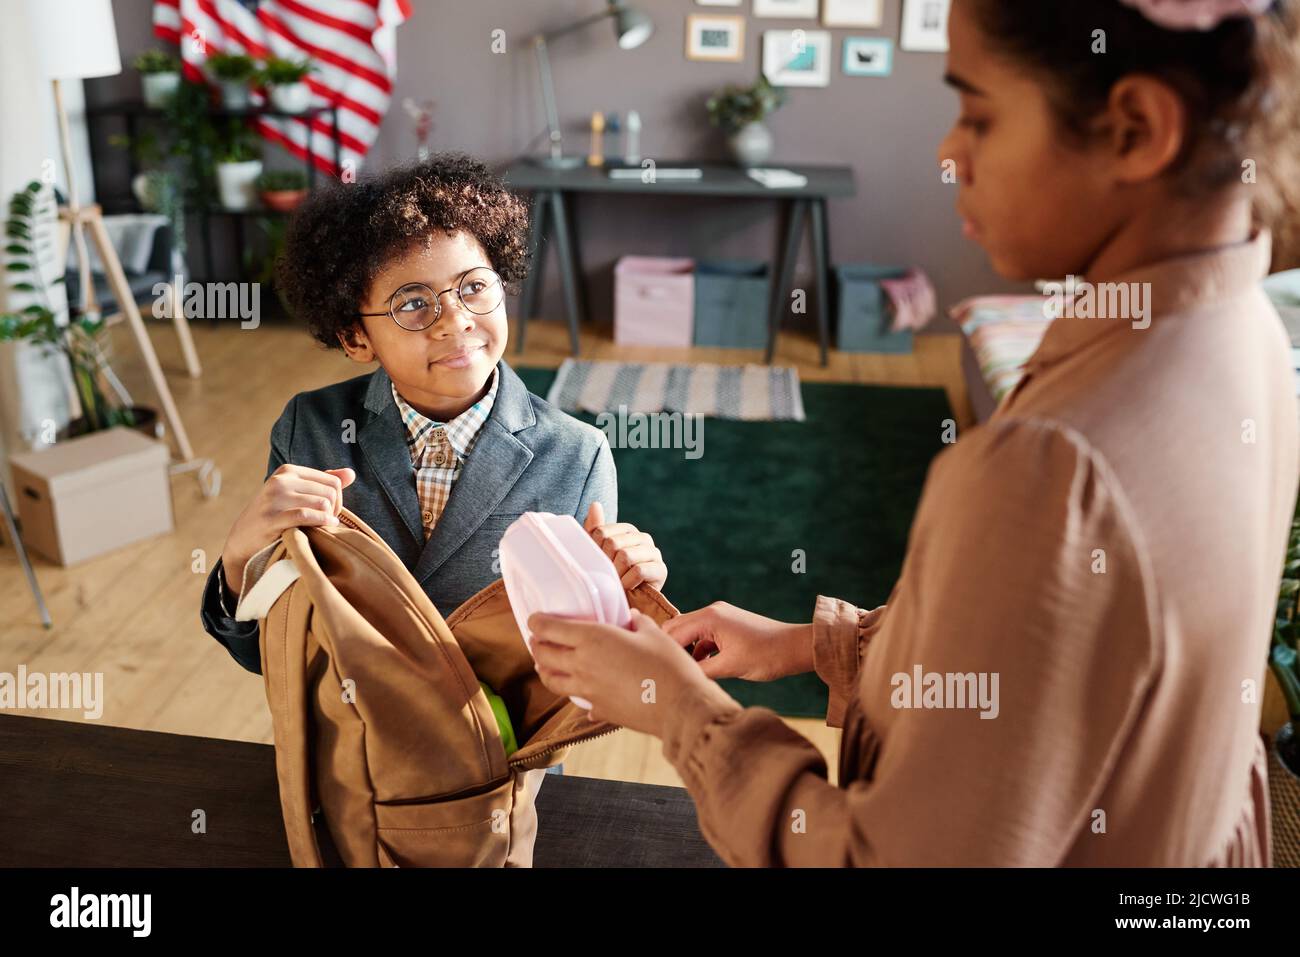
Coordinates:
[86,795]
[555,190]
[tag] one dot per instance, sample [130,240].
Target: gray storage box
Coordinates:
[731,301]
[863,316]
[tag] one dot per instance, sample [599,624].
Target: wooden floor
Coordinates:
[133,614]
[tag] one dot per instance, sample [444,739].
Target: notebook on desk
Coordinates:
[778,178]
[771,178]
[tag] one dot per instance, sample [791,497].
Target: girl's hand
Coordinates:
[742,644]
[632,676]
[292,495]
[633,552]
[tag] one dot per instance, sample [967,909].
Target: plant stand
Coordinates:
[134,115]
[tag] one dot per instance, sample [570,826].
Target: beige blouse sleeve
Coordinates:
[841,633]
[1002,578]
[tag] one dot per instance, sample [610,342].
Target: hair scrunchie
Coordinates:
[1196,14]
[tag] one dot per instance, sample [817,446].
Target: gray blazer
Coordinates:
[529,456]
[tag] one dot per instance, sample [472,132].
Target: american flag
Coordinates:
[350,43]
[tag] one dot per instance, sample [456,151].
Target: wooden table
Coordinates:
[87,795]
[554,190]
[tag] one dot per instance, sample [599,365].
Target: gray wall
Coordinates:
[888,129]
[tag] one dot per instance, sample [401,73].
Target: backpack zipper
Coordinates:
[564,744]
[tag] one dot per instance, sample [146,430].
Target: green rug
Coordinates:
[842,486]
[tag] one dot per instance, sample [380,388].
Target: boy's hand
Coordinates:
[633,552]
[292,496]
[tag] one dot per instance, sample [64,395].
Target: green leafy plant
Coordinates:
[178,154]
[281,72]
[157,61]
[144,146]
[261,268]
[1284,656]
[79,340]
[232,67]
[184,142]
[193,140]
[239,145]
[734,107]
[280,180]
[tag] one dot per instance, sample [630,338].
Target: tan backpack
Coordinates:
[379,717]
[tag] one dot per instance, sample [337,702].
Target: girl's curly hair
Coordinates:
[345,233]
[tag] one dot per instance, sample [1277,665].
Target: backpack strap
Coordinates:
[265,579]
[284,650]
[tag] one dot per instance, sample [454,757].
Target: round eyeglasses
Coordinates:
[415,306]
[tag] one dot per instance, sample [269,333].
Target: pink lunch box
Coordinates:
[550,564]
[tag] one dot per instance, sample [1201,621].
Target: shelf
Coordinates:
[133,113]
[138,108]
[122,203]
[243,213]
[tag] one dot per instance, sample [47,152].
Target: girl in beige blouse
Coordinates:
[1068,669]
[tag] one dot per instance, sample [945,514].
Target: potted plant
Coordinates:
[285,80]
[1284,663]
[79,340]
[259,266]
[282,189]
[239,164]
[740,111]
[176,158]
[160,76]
[234,73]
[192,141]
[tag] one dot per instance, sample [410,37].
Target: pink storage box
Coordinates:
[654,301]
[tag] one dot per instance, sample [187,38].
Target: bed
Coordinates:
[1001,332]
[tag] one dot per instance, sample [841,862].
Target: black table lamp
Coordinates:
[631,28]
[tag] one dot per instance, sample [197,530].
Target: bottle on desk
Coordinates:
[632,139]
[597,155]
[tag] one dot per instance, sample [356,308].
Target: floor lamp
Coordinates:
[77,39]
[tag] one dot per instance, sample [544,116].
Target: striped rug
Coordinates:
[754,392]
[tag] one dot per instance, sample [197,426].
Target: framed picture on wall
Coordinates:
[785,8]
[925,26]
[851,13]
[868,56]
[797,57]
[711,37]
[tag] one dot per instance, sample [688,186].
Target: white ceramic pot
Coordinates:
[159,88]
[148,188]
[235,94]
[236,184]
[291,97]
[142,188]
[751,145]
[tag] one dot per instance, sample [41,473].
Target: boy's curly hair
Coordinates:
[344,234]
